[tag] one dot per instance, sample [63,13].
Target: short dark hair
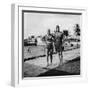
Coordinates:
[57,26]
[48,30]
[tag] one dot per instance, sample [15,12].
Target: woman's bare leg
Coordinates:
[61,58]
[51,57]
[47,57]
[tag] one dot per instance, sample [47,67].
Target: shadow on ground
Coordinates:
[69,68]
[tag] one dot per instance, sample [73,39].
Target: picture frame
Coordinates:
[17,43]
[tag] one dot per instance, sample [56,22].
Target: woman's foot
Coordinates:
[47,64]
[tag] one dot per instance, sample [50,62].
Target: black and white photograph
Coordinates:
[51,43]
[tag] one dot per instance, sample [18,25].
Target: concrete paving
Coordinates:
[39,65]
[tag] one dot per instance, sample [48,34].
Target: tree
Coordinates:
[77,30]
[65,32]
[32,36]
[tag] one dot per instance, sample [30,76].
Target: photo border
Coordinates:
[17,46]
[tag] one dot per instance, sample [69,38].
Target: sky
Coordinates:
[38,23]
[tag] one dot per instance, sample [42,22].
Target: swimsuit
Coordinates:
[49,44]
[58,41]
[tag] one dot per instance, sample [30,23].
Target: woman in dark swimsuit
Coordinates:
[58,43]
[49,46]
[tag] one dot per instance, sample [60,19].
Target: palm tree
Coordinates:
[77,30]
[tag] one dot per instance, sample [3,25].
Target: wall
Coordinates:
[5,39]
